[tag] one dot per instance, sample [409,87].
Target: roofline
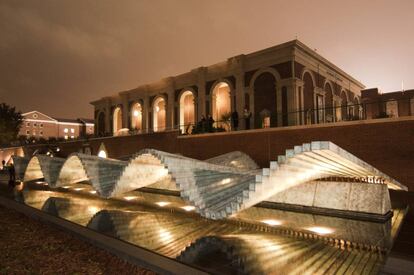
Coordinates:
[291,43]
[39,113]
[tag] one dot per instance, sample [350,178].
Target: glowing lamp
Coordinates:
[272,222]
[162,203]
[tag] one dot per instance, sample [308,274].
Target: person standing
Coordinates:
[247,115]
[12,174]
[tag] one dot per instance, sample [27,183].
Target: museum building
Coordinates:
[285,85]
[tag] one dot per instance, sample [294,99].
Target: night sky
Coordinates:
[57,56]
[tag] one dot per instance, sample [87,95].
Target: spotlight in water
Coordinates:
[272,222]
[225,181]
[320,230]
[162,203]
[92,192]
[188,208]
[78,189]
[40,182]
[130,198]
[66,187]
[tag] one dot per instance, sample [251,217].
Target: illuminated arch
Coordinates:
[117,120]
[102,152]
[263,86]
[221,103]
[344,105]
[308,96]
[136,116]
[159,114]
[187,111]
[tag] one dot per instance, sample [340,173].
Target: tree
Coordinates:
[10,123]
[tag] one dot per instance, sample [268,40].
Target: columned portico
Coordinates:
[289,84]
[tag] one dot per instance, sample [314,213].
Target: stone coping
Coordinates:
[298,127]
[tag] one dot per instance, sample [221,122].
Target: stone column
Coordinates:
[145,112]
[125,110]
[278,115]
[169,116]
[239,91]
[201,94]
[108,114]
[297,87]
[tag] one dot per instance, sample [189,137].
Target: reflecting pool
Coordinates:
[255,241]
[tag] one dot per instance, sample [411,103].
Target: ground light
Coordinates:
[162,203]
[188,208]
[320,230]
[130,198]
[272,222]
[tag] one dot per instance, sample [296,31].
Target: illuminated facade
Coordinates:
[288,84]
[38,125]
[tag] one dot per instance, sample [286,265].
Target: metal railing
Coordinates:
[330,114]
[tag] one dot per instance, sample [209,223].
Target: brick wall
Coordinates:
[387,144]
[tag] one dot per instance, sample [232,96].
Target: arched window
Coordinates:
[308,96]
[159,114]
[117,120]
[136,117]
[265,101]
[221,100]
[187,112]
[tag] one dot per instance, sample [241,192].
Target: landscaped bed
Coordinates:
[30,247]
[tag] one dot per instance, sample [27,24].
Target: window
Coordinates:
[65,130]
[392,108]
[27,132]
[28,124]
[34,124]
[72,130]
[35,116]
[72,137]
[66,137]
[41,133]
[41,125]
[34,132]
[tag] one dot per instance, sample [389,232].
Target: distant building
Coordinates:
[38,125]
[395,104]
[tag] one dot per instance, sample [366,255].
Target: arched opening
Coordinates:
[329,108]
[117,120]
[221,100]
[344,106]
[101,124]
[308,91]
[265,101]
[102,152]
[159,114]
[187,112]
[136,117]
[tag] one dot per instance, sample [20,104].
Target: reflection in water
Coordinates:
[255,241]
